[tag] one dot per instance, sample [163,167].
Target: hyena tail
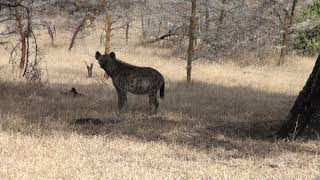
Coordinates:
[162,91]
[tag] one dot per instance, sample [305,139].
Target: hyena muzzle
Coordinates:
[133,79]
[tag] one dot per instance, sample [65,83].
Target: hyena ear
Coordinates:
[112,55]
[98,54]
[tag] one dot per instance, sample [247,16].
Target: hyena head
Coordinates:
[106,59]
[107,62]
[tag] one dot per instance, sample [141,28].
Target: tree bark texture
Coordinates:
[192,28]
[107,33]
[305,108]
[287,23]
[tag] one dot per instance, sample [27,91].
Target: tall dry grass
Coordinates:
[214,129]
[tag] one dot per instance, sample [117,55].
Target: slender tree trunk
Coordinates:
[161,19]
[294,4]
[75,34]
[287,23]
[79,29]
[107,33]
[221,18]
[285,41]
[50,31]
[143,33]
[207,23]
[192,28]
[127,32]
[89,17]
[22,37]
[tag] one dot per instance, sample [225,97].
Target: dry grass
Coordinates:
[214,129]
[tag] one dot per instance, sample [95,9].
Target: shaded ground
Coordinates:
[202,116]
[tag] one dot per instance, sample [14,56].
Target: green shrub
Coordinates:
[307,41]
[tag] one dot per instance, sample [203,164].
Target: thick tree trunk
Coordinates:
[192,28]
[306,106]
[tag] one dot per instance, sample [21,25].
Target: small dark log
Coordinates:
[73,92]
[90,69]
[305,108]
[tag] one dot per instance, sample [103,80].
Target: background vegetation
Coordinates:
[215,127]
[308,39]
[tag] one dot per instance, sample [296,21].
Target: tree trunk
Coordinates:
[294,4]
[79,29]
[207,23]
[192,28]
[221,18]
[22,37]
[89,17]
[287,23]
[107,33]
[160,30]
[305,107]
[127,32]
[285,41]
[50,31]
[143,33]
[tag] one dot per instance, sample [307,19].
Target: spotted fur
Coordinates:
[133,79]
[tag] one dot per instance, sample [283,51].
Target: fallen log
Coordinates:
[159,38]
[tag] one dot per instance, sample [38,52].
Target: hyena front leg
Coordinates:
[153,101]
[122,100]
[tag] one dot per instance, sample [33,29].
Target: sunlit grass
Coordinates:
[215,128]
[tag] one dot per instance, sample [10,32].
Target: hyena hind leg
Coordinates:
[153,102]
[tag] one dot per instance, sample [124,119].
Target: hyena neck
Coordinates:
[112,68]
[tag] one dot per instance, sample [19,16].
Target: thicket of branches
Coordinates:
[222,27]
[17,35]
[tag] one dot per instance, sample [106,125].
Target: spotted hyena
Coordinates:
[133,79]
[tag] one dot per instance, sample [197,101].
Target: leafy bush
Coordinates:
[307,41]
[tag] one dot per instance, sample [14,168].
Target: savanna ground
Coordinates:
[214,129]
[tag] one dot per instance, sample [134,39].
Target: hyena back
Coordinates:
[133,79]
